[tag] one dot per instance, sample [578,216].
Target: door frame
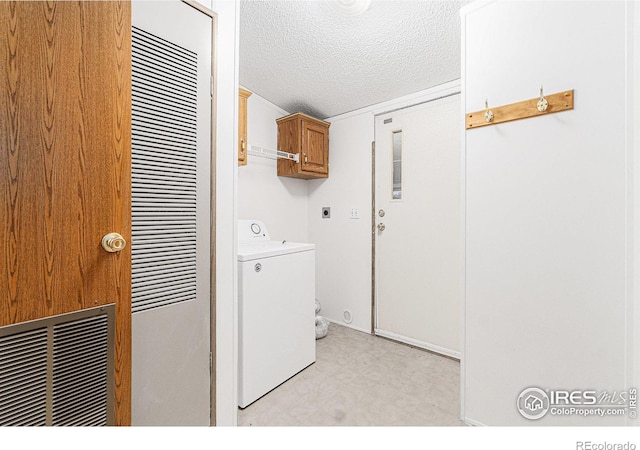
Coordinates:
[212,252]
[431,95]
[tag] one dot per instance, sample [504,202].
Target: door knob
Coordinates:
[113,242]
[381,227]
[381,213]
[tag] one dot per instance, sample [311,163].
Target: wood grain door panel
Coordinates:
[65,143]
[316,147]
[243,146]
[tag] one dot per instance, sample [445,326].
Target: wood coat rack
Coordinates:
[562,101]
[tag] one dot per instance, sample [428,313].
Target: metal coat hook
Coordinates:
[543,104]
[532,107]
[488,114]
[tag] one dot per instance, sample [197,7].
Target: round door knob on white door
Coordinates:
[113,242]
[381,227]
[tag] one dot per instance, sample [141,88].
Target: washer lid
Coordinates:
[267,249]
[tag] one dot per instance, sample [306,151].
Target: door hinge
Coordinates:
[211,86]
[210,363]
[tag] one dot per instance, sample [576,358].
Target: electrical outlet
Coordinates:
[326,212]
[355,213]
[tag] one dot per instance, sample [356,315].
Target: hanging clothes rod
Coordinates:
[272,154]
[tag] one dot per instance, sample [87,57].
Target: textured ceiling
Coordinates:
[304,56]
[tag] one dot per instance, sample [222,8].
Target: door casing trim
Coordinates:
[212,294]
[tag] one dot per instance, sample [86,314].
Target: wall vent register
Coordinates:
[58,371]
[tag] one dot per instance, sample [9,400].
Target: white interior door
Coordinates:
[171,205]
[417,173]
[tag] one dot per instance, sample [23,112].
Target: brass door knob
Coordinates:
[113,242]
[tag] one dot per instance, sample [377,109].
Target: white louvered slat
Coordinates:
[79,385]
[164,163]
[154,148]
[23,378]
[58,370]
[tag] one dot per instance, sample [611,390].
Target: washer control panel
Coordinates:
[252,230]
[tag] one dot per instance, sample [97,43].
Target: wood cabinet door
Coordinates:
[315,148]
[243,99]
[65,143]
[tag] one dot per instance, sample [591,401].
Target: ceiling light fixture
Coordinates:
[350,7]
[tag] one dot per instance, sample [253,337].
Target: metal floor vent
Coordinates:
[163,174]
[58,371]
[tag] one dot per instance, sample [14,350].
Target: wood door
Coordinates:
[417,175]
[315,148]
[65,149]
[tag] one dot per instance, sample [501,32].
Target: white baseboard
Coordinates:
[473,423]
[420,344]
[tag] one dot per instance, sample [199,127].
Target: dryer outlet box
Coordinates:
[326,212]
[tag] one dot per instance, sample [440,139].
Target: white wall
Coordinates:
[280,202]
[343,245]
[551,209]
[226,166]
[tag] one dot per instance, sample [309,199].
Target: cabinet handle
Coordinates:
[242,145]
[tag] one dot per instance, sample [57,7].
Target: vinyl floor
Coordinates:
[363,380]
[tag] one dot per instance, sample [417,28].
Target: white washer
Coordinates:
[276,308]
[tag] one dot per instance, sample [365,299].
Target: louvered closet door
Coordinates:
[171,160]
